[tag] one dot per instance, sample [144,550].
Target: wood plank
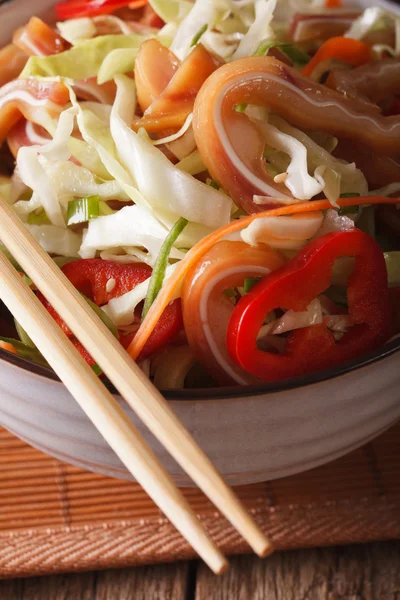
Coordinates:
[161,582]
[367,572]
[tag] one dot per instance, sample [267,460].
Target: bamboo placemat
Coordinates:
[55,517]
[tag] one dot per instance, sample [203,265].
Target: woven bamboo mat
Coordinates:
[55,517]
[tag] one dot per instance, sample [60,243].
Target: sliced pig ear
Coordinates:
[12,61]
[230,145]
[37,101]
[170,105]
[207,309]
[38,39]
[155,66]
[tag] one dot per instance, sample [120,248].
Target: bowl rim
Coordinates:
[230,392]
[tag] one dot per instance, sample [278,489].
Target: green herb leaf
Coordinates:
[249,282]
[158,274]
[23,336]
[38,218]
[26,351]
[198,35]
[83,210]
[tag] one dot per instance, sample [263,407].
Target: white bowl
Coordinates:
[251,434]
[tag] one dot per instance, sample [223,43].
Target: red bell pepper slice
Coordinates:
[90,277]
[91,8]
[294,286]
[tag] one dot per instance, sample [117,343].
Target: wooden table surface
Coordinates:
[367,572]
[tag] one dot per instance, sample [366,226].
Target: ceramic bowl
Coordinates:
[251,434]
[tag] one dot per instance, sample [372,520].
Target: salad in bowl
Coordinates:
[221,181]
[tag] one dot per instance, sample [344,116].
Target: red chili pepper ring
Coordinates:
[294,286]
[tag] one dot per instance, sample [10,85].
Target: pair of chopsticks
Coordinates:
[100,405]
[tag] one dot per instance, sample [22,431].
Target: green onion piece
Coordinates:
[158,274]
[26,351]
[249,282]
[240,108]
[293,52]
[104,209]
[103,316]
[12,260]
[264,46]
[31,353]
[198,35]
[96,369]
[83,210]
[23,336]
[298,56]
[39,218]
[393,267]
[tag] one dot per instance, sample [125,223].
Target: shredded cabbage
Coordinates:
[32,162]
[121,309]
[76,30]
[204,12]
[192,164]
[175,136]
[372,18]
[56,240]
[222,44]
[259,30]
[134,227]
[297,179]
[168,190]
[286,233]
[335,177]
[171,10]
[83,60]
[120,60]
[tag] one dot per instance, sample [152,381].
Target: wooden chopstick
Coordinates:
[104,411]
[127,377]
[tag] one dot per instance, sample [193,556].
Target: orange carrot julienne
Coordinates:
[333,4]
[351,51]
[7,346]
[167,292]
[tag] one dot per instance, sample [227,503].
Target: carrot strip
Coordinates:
[333,4]
[7,346]
[167,292]
[353,52]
